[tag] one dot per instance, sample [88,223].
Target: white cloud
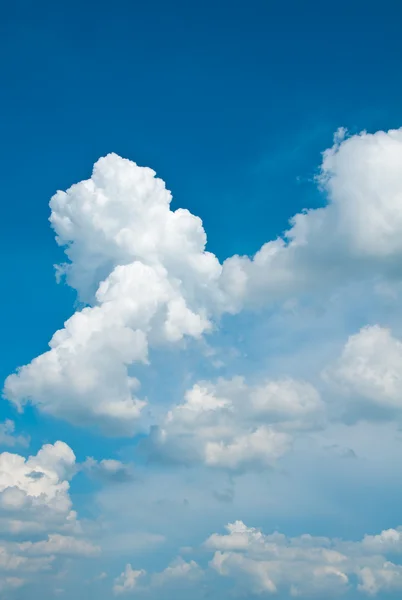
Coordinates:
[356,236]
[388,541]
[177,575]
[233,425]
[14,560]
[144,270]
[148,281]
[35,502]
[127,581]
[60,544]
[307,565]
[386,578]
[179,570]
[34,492]
[369,372]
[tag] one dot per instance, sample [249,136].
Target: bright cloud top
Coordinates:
[34,492]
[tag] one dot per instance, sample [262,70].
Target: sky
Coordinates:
[201,250]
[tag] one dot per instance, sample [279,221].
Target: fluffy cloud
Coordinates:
[148,281]
[34,492]
[127,581]
[305,566]
[178,574]
[16,568]
[356,236]
[21,563]
[233,425]
[368,372]
[35,502]
[179,571]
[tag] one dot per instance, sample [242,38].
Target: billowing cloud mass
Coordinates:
[35,501]
[146,284]
[232,425]
[148,281]
[34,492]
[369,373]
[306,566]
[356,236]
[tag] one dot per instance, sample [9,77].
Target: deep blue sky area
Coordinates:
[230,102]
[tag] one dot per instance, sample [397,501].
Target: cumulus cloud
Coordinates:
[179,571]
[178,574]
[356,236]
[13,559]
[233,425]
[145,273]
[34,492]
[147,279]
[127,581]
[368,373]
[307,565]
[36,514]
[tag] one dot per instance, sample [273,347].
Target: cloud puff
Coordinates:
[13,559]
[145,272]
[127,581]
[16,568]
[147,279]
[35,502]
[368,372]
[20,562]
[307,565]
[356,236]
[232,425]
[179,571]
[178,574]
[34,492]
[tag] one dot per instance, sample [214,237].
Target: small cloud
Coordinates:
[108,470]
[8,437]
[127,581]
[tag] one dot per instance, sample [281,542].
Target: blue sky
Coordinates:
[193,402]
